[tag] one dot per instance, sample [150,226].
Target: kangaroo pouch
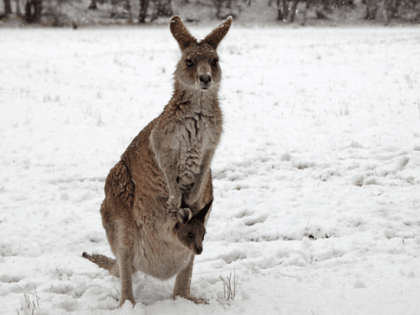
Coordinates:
[159,255]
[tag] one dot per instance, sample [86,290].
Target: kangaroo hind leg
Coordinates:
[183,284]
[126,270]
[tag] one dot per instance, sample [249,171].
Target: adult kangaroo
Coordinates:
[158,196]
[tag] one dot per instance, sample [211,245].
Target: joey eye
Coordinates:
[214,62]
[190,235]
[189,62]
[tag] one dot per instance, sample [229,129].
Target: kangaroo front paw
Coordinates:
[191,197]
[174,203]
[172,210]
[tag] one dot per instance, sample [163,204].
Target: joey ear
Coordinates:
[180,33]
[184,215]
[201,215]
[216,36]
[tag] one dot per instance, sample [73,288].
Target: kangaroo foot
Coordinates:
[127,299]
[195,300]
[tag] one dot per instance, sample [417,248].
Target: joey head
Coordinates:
[191,229]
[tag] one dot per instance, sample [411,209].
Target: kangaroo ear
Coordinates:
[201,215]
[180,33]
[184,215]
[216,36]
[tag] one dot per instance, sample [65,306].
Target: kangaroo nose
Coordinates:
[205,80]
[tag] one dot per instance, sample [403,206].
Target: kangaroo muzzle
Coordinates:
[205,81]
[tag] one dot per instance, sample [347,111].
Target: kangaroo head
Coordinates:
[199,67]
[191,229]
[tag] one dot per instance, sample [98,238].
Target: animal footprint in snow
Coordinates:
[244,213]
[250,221]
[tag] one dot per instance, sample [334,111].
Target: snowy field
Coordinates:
[317,178]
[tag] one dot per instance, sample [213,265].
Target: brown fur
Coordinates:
[155,196]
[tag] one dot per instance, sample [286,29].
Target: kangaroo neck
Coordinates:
[196,101]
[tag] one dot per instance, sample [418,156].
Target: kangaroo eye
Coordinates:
[189,63]
[214,62]
[190,235]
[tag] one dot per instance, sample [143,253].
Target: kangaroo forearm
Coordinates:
[167,165]
[167,161]
[174,191]
[196,191]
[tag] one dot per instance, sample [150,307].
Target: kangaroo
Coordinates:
[158,197]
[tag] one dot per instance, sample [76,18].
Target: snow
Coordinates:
[316,179]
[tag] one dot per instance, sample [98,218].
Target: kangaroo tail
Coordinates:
[104,262]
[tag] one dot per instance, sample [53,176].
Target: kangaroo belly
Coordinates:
[159,258]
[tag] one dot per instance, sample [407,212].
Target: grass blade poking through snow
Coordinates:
[230,287]
[29,304]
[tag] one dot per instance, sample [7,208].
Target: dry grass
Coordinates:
[30,303]
[230,286]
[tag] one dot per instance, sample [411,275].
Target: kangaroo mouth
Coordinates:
[205,86]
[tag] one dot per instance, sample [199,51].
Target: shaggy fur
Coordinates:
[158,196]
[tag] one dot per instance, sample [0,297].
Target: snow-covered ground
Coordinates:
[317,179]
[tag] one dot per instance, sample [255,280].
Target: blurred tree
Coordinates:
[282,9]
[371,9]
[127,9]
[18,11]
[229,8]
[7,7]
[403,10]
[286,10]
[408,10]
[144,5]
[116,9]
[33,10]
[319,5]
[391,9]
[162,8]
[93,5]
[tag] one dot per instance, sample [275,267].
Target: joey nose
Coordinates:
[198,250]
[205,80]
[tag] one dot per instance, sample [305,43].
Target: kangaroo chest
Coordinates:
[197,138]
